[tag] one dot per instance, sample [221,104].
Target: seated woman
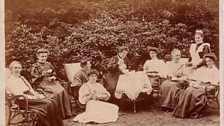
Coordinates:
[93,95]
[79,79]
[154,67]
[43,73]
[193,100]
[175,84]
[46,109]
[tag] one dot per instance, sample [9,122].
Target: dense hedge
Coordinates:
[72,30]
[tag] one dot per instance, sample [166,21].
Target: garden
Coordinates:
[75,29]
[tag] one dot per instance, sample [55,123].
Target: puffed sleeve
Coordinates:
[113,64]
[145,66]
[84,93]
[103,89]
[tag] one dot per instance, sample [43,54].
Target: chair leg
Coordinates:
[217,100]
[134,103]
[9,118]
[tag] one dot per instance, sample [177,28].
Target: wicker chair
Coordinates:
[15,111]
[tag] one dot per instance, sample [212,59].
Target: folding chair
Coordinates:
[71,69]
[16,112]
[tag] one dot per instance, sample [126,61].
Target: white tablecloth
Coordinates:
[132,84]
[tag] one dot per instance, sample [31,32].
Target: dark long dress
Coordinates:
[171,91]
[45,108]
[193,100]
[53,89]
[113,74]
[191,103]
[172,88]
[47,111]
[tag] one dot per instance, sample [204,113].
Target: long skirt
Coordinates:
[98,112]
[47,111]
[154,80]
[171,91]
[191,103]
[59,95]
[111,81]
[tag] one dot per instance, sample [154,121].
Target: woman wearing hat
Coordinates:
[154,67]
[43,73]
[198,49]
[193,100]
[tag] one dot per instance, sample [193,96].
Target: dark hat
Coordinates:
[211,56]
[150,48]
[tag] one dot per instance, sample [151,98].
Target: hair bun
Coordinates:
[199,31]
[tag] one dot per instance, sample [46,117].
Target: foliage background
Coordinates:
[74,29]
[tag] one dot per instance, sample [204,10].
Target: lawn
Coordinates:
[153,116]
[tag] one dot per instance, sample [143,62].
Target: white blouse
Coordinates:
[155,65]
[18,85]
[205,74]
[88,88]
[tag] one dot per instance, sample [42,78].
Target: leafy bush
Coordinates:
[94,29]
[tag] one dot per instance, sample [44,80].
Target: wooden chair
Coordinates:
[27,115]
[213,95]
[71,69]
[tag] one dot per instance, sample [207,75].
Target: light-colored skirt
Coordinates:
[98,112]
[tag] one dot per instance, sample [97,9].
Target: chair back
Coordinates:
[71,69]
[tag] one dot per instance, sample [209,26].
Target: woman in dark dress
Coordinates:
[193,100]
[176,82]
[198,49]
[46,108]
[117,65]
[43,73]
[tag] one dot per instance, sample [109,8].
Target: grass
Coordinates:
[153,116]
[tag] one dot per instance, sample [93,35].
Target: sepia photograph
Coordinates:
[111,63]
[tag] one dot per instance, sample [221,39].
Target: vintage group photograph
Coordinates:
[112,63]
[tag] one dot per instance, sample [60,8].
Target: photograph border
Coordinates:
[2,63]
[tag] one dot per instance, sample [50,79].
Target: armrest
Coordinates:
[21,98]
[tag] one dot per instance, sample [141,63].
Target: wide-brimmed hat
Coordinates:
[211,56]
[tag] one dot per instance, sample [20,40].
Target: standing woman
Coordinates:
[46,108]
[117,65]
[198,49]
[43,73]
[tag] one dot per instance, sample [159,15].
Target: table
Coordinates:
[132,84]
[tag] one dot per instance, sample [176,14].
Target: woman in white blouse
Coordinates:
[176,82]
[46,109]
[93,94]
[193,100]
[154,67]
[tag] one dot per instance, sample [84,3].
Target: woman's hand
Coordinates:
[40,96]
[52,78]
[93,95]
[210,88]
[43,73]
